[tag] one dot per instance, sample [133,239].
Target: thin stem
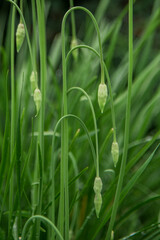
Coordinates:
[95,124]
[97,30]
[42,46]
[34,42]
[84,127]
[44,219]
[64,138]
[108,81]
[13,120]
[62,119]
[64,152]
[26,32]
[127,124]
[73,21]
[21,7]
[112,102]
[43,75]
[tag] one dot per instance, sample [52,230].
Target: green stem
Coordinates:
[77,186]
[95,125]
[97,30]
[127,124]
[42,46]
[44,219]
[64,218]
[43,76]
[84,127]
[13,120]
[53,156]
[26,32]
[21,7]
[112,102]
[108,81]
[34,42]
[73,21]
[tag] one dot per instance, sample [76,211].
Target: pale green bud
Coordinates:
[33,81]
[37,99]
[115,152]
[97,185]
[74,43]
[20,35]
[98,203]
[102,95]
[112,235]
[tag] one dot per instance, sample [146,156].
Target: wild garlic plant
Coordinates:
[39,100]
[102,97]
[46,194]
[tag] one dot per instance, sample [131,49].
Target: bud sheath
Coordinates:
[102,95]
[115,152]
[97,185]
[98,203]
[74,43]
[20,35]
[33,81]
[37,99]
[98,197]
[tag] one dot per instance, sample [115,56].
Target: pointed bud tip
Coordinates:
[98,203]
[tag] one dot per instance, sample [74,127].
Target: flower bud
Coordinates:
[37,99]
[102,95]
[97,185]
[98,203]
[33,81]
[74,43]
[20,35]
[112,235]
[115,153]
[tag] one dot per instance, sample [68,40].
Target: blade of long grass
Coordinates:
[134,208]
[127,124]
[5,146]
[110,193]
[135,177]
[18,163]
[13,119]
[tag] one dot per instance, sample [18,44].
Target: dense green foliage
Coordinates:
[37,146]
